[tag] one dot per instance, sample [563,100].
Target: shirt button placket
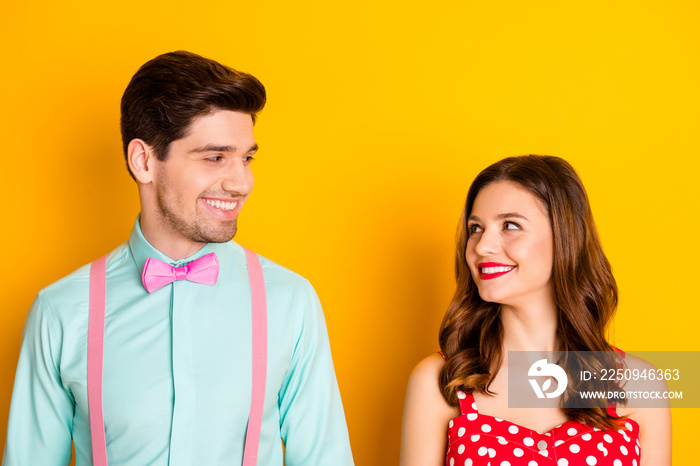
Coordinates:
[183,383]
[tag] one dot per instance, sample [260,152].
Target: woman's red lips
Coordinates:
[491,270]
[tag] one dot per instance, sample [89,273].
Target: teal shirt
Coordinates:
[177,370]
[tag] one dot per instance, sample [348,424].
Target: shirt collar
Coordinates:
[141,249]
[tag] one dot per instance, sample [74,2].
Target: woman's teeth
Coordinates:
[487,270]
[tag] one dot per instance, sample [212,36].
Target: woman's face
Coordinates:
[510,246]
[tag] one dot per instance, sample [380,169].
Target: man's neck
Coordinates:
[175,248]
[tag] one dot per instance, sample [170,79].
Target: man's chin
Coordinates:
[222,236]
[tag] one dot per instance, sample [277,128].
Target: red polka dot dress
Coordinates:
[476,439]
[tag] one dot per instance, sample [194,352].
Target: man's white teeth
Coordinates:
[486,270]
[222,205]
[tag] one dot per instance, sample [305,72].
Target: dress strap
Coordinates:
[612,407]
[466,400]
[467,405]
[95,349]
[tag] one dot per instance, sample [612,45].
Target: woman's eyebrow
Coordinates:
[510,215]
[499,216]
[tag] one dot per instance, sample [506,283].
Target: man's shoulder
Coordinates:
[78,280]
[280,275]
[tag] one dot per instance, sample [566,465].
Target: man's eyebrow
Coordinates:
[215,148]
[499,216]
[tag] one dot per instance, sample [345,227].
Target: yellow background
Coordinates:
[379,117]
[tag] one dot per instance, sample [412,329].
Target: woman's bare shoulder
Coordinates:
[654,422]
[424,387]
[428,369]
[425,416]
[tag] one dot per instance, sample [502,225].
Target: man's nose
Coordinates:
[238,179]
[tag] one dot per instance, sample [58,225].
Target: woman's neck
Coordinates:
[530,328]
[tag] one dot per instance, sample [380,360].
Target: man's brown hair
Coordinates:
[168,92]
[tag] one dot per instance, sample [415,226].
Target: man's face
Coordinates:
[203,184]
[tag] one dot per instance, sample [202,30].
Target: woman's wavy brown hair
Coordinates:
[585,291]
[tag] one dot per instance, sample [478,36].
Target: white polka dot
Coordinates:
[505,463]
[513,430]
[461,395]
[607,438]
[634,462]
[605,451]
[486,428]
[472,416]
[617,463]
[627,439]
[502,440]
[482,451]
[498,419]
[452,462]
[528,441]
[558,442]
[532,463]
[452,423]
[475,438]
[573,448]
[586,437]
[544,453]
[468,462]
[461,431]
[572,431]
[591,460]
[600,446]
[623,449]
[636,449]
[563,462]
[628,425]
[492,452]
[474,406]
[460,450]
[518,452]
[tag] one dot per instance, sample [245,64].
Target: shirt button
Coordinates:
[541,445]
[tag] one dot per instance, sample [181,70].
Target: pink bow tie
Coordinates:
[156,273]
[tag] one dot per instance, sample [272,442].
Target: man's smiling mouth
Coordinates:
[217,204]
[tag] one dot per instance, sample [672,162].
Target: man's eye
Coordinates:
[248,158]
[511,226]
[215,158]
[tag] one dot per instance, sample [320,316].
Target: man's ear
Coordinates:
[141,158]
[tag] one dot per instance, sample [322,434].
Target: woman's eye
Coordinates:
[474,228]
[511,226]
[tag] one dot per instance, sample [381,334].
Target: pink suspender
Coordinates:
[259,305]
[95,351]
[96,331]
